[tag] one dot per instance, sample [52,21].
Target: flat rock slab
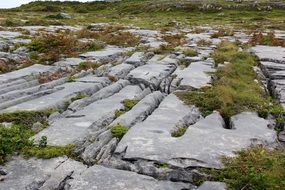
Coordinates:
[196,75]
[9,35]
[120,71]
[153,72]
[269,53]
[203,144]
[138,59]
[39,173]
[107,54]
[62,94]
[78,125]
[102,178]
[22,73]
[212,185]
[72,62]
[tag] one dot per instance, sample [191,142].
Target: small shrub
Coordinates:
[174,40]
[93,46]
[86,65]
[112,78]
[111,36]
[190,52]
[222,33]
[266,39]
[53,46]
[178,132]
[204,43]
[43,142]
[118,131]
[56,16]
[71,79]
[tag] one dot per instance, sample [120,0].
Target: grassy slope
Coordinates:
[147,14]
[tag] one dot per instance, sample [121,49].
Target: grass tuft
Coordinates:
[118,131]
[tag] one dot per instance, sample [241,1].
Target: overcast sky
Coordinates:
[16,3]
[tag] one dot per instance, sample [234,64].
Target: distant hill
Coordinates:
[137,6]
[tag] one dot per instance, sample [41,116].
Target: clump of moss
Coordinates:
[180,131]
[25,118]
[48,152]
[163,165]
[118,131]
[254,168]
[128,105]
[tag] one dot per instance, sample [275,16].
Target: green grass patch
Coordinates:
[13,140]
[190,52]
[49,151]
[255,168]
[26,118]
[235,90]
[128,105]
[118,131]
[178,132]
[16,140]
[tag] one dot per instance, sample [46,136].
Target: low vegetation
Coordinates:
[128,105]
[48,151]
[52,47]
[26,118]
[234,89]
[86,65]
[178,132]
[255,168]
[259,38]
[190,52]
[16,139]
[13,140]
[222,33]
[111,35]
[118,131]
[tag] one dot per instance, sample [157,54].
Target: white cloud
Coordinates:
[16,3]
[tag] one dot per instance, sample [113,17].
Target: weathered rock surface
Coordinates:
[110,53]
[153,72]
[210,185]
[272,66]
[78,125]
[39,174]
[62,94]
[269,53]
[107,179]
[196,75]
[203,143]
